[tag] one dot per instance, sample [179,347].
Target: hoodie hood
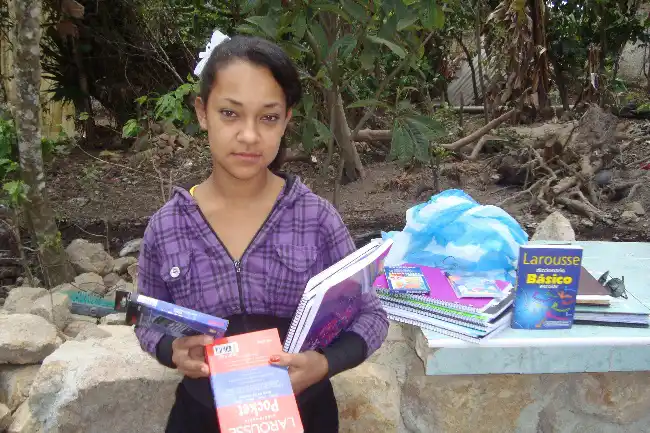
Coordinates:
[294,189]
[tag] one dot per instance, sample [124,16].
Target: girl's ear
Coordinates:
[289,115]
[201,113]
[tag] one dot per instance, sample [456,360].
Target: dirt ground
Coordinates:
[111,196]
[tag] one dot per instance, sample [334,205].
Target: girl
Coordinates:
[243,243]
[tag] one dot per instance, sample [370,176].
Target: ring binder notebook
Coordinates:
[331,299]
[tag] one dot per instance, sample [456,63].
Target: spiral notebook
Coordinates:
[415,321]
[332,298]
[442,295]
[468,320]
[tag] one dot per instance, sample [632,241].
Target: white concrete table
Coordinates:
[592,379]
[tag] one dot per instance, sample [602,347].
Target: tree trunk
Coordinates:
[353,168]
[479,61]
[55,267]
[89,122]
[470,63]
[538,17]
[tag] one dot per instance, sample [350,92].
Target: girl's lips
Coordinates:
[247,156]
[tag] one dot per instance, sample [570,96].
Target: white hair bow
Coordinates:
[217,38]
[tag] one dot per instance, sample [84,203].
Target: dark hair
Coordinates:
[263,53]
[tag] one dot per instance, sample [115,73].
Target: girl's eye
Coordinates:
[228,113]
[271,117]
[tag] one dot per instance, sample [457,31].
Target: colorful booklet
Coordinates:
[406,279]
[331,300]
[251,395]
[548,277]
[441,294]
[470,286]
[168,318]
[88,304]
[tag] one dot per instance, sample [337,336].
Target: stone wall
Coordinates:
[53,363]
[617,402]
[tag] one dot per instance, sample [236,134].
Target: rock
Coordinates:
[77,326]
[183,140]
[5,417]
[603,177]
[82,318]
[368,397]
[132,246]
[613,402]
[586,222]
[89,257]
[21,299]
[132,271]
[92,332]
[397,350]
[22,421]
[90,282]
[55,308]
[477,404]
[92,374]
[620,398]
[15,382]
[628,217]
[78,201]
[121,285]
[62,288]
[122,264]
[636,208]
[556,227]
[111,279]
[26,339]
[114,319]
[34,282]
[4,291]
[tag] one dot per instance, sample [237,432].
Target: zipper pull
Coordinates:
[237,266]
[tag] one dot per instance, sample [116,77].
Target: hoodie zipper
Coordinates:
[238,263]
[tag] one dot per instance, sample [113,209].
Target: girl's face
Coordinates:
[245,117]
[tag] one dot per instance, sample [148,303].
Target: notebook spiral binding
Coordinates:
[294,324]
[429,302]
[433,328]
[479,319]
[447,317]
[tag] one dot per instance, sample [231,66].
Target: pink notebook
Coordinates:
[441,293]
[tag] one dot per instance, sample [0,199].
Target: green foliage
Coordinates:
[13,190]
[413,135]
[575,24]
[338,43]
[14,193]
[170,107]
[8,141]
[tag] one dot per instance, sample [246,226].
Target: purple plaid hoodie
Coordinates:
[182,261]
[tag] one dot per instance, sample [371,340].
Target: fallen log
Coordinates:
[458,144]
[374,135]
[369,135]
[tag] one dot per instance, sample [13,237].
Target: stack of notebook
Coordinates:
[437,306]
[596,306]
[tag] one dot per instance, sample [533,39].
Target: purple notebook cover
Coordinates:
[439,288]
[341,304]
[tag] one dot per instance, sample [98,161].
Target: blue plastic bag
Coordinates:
[455,233]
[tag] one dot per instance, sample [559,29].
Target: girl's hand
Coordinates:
[188,354]
[305,369]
